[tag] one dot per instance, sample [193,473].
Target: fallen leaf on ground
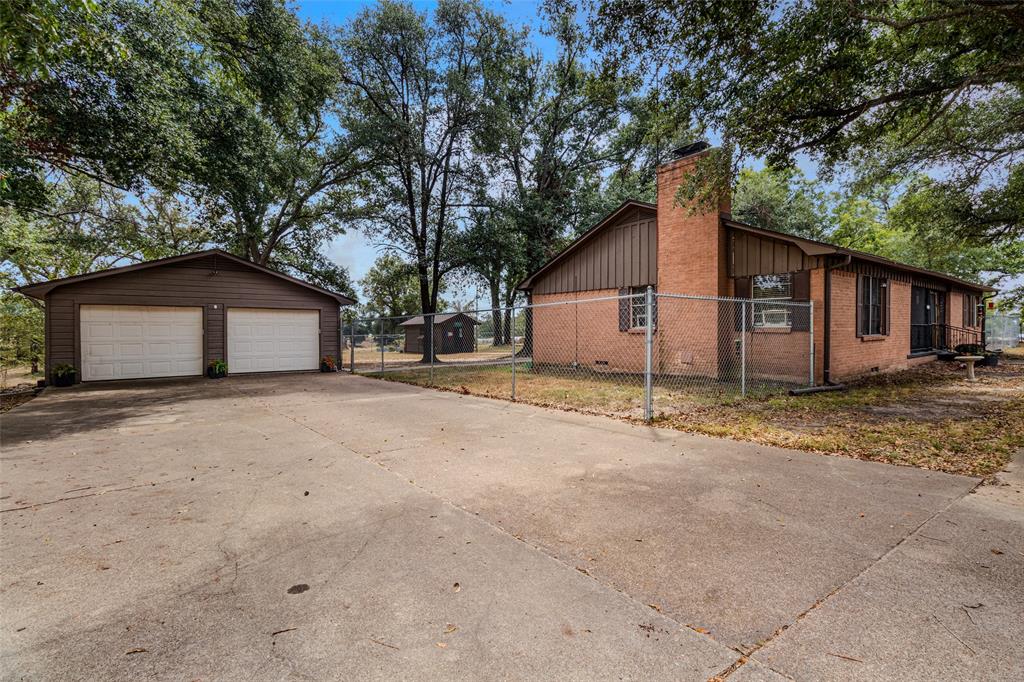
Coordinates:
[135,651]
[452,627]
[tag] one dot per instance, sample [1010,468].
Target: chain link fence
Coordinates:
[640,353]
[1002,331]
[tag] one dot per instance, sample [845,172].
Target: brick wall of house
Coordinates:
[853,356]
[955,311]
[585,333]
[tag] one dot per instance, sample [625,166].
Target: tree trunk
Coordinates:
[496,316]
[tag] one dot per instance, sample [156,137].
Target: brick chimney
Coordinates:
[692,247]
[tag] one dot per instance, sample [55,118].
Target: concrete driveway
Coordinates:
[327,526]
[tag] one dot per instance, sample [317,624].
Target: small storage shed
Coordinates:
[453,333]
[173,316]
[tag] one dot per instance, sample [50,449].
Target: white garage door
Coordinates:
[134,342]
[272,340]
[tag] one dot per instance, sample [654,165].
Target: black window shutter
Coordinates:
[860,305]
[624,310]
[800,315]
[742,288]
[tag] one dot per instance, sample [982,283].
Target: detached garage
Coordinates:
[172,317]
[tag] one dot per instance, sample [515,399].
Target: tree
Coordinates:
[495,253]
[390,288]
[906,222]
[21,332]
[228,101]
[783,200]
[417,89]
[92,226]
[877,87]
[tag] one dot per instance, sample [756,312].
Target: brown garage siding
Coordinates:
[203,282]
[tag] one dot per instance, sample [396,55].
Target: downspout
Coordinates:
[827,335]
[984,317]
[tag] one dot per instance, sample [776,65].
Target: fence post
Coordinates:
[810,313]
[430,329]
[743,346]
[381,341]
[512,339]
[352,349]
[649,356]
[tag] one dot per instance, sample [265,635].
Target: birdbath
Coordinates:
[970,360]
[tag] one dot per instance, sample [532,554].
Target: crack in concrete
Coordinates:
[79,497]
[807,612]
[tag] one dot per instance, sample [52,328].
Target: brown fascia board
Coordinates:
[527,281]
[812,247]
[40,289]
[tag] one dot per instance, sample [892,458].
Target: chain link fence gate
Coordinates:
[639,354]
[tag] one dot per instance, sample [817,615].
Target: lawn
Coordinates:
[929,417]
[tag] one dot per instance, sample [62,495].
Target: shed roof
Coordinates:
[419,319]
[40,289]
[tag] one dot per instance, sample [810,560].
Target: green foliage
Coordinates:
[228,102]
[911,224]
[785,201]
[391,289]
[876,87]
[64,370]
[91,226]
[21,331]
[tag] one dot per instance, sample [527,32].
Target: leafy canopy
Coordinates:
[878,87]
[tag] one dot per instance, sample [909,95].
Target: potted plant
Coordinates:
[217,369]
[64,375]
[327,364]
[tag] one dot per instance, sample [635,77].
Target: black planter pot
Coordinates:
[324,367]
[211,373]
[990,360]
[64,381]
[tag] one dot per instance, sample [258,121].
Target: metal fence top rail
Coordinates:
[638,296]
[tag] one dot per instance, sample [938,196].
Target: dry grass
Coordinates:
[369,357]
[16,386]
[929,417]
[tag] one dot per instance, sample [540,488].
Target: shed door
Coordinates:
[272,340]
[136,342]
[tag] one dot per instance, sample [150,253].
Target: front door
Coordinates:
[927,314]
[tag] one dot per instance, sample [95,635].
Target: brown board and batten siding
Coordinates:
[623,253]
[211,282]
[753,254]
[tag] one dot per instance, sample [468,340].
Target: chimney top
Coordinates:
[690,149]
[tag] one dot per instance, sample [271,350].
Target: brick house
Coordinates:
[870,314]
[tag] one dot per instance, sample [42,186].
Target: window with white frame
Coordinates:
[768,291]
[638,307]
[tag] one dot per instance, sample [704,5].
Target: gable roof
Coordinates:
[813,247]
[419,319]
[583,238]
[40,289]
